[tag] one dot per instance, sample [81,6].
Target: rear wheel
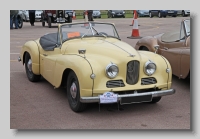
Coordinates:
[150,15]
[28,67]
[73,93]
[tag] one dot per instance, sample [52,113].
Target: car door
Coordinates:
[178,54]
[48,59]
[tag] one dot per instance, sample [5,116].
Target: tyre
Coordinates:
[159,15]
[69,19]
[28,67]
[150,15]
[49,21]
[73,93]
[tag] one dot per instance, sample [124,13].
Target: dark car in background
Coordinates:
[162,13]
[116,13]
[172,13]
[56,16]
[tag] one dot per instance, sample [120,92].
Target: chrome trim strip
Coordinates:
[153,93]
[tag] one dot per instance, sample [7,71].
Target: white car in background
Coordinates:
[184,12]
[38,15]
[25,15]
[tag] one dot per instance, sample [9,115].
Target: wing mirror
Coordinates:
[156,48]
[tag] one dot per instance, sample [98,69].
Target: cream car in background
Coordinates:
[174,46]
[94,65]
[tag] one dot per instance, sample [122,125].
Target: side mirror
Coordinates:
[156,48]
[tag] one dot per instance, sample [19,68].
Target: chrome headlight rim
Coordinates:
[54,15]
[108,74]
[145,68]
[66,15]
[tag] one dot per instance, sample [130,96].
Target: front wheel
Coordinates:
[159,15]
[69,19]
[28,67]
[49,21]
[73,93]
[150,15]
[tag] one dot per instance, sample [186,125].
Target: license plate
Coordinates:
[108,97]
[170,12]
[60,20]
[136,99]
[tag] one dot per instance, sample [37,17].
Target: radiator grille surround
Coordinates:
[132,74]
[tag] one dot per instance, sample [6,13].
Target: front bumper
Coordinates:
[153,94]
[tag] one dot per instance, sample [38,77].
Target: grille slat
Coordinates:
[115,83]
[147,81]
[132,74]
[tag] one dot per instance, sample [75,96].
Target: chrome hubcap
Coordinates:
[73,90]
[29,65]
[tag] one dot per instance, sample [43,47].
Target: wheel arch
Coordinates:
[33,50]
[82,69]
[148,42]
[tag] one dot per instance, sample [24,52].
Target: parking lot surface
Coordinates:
[40,106]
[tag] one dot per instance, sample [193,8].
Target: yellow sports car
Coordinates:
[94,65]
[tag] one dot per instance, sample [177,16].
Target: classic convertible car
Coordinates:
[94,65]
[174,46]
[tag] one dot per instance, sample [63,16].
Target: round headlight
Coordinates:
[66,15]
[54,15]
[112,70]
[149,68]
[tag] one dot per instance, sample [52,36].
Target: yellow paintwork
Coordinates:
[100,51]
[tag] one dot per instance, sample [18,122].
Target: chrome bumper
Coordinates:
[119,97]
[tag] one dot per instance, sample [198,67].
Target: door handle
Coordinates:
[45,55]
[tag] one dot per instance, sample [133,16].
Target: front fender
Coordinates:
[31,47]
[82,69]
[148,42]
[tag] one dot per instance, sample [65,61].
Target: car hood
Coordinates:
[98,46]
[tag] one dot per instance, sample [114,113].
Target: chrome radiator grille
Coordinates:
[147,81]
[115,83]
[132,74]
